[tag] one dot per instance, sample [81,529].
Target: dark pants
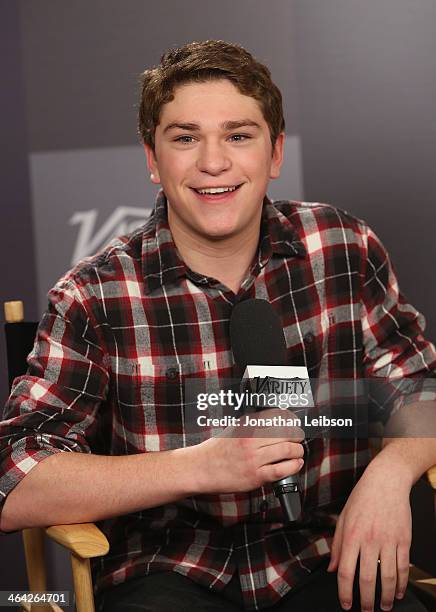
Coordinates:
[172,592]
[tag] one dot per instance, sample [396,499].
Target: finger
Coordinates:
[267,427]
[262,439]
[402,569]
[271,412]
[388,574]
[280,452]
[277,471]
[336,547]
[346,572]
[276,432]
[367,577]
[277,438]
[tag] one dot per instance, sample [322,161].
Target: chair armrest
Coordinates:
[431,475]
[424,583]
[84,539]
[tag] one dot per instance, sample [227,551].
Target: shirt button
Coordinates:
[263,506]
[309,338]
[171,373]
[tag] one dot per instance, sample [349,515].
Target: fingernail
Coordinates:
[386,607]
[399,595]
[346,605]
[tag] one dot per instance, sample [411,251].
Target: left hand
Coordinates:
[375,523]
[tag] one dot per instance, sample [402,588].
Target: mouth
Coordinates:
[216,193]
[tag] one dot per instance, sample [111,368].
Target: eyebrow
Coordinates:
[226,125]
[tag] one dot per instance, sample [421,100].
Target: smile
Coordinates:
[216,190]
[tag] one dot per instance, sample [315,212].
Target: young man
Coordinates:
[199,526]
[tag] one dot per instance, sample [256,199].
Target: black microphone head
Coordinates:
[256,334]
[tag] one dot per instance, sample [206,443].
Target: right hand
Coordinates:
[231,464]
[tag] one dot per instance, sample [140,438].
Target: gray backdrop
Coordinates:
[358,79]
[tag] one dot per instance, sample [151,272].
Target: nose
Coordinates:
[212,158]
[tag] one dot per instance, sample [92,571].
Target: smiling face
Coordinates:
[214,158]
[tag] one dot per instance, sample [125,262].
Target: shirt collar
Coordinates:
[278,236]
[162,263]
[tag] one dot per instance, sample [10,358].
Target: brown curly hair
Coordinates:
[203,61]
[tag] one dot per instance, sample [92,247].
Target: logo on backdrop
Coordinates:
[90,239]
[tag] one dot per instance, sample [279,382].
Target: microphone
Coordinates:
[257,341]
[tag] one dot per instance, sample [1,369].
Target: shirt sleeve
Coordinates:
[399,362]
[53,408]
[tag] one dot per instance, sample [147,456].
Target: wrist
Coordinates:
[393,466]
[188,471]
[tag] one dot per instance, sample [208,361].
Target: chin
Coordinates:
[220,232]
[222,224]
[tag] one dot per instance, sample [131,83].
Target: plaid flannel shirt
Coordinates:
[126,327]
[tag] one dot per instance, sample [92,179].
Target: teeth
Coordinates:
[216,190]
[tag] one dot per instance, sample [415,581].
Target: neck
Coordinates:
[227,259]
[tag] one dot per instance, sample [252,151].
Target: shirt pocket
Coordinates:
[157,402]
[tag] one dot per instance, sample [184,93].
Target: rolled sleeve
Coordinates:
[54,407]
[400,362]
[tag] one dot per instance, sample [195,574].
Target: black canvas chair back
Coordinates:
[20,337]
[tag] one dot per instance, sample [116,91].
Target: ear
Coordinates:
[152,164]
[277,156]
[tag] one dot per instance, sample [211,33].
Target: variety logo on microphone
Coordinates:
[292,386]
[260,390]
[283,386]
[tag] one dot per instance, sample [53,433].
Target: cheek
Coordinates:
[176,168]
[257,165]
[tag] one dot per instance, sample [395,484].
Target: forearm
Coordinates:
[415,451]
[73,487]
[413,456]
[76,488]
[408,458]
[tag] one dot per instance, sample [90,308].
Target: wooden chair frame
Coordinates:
[84,541]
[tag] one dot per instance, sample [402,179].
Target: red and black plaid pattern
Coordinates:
[126,328]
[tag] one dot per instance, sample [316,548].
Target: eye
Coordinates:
[184,139]
[239,137]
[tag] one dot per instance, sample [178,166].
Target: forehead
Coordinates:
[210,102]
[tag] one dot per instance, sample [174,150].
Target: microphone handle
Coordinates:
[287,492]
[286,489]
